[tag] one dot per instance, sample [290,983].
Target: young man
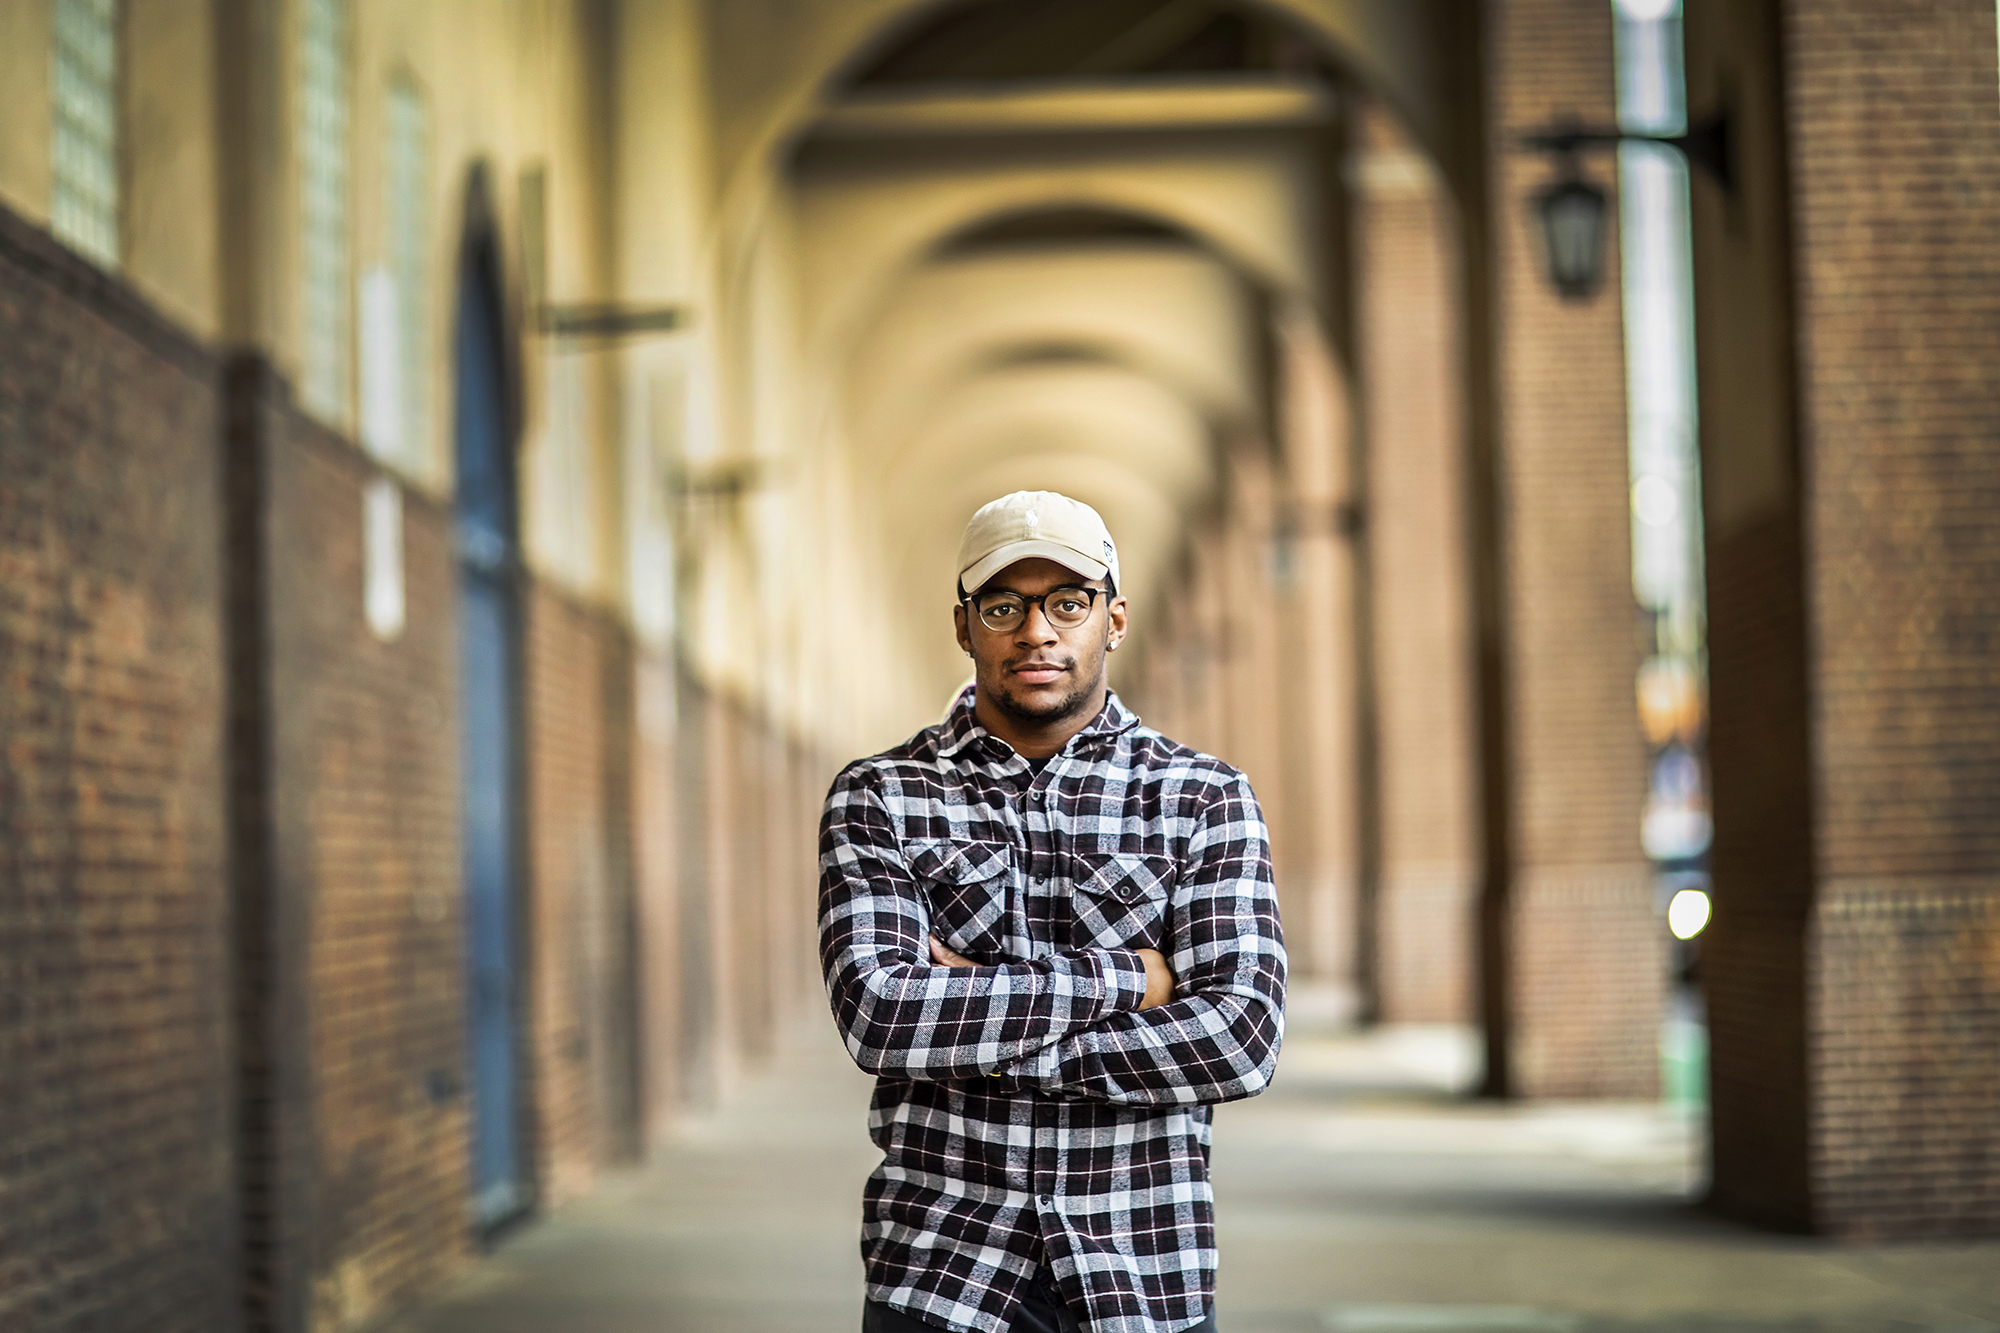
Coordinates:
[1050,933]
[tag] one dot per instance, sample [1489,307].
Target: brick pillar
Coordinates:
[1249,628]
[1847,296]
[657,887]
[722,910]
[696,978]
[1586,951]
[1407,311]
[749,906]
[1320,798]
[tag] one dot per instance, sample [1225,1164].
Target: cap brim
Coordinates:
[974,576]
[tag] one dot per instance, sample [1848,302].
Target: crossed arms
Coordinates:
[1076,1023]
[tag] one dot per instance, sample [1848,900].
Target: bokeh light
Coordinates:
[1687,913]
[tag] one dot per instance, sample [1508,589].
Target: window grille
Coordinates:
[395,298]
[409,255]
[323,244]
[83,208]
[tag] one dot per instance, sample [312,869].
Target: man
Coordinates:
[1051,934]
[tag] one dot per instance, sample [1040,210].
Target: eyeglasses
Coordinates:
[1002,611]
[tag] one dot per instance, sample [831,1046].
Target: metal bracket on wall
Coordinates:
[1705,145]
[605,322]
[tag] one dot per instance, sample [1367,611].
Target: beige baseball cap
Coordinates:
[1035,523]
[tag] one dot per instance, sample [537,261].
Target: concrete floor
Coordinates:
[1357,1196]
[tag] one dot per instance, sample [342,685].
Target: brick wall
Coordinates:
[117,1207]
[579,705]
[362,804]
[1407,308]
[1579,778]
[1894,114]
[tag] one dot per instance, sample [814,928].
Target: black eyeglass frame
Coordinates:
[1090,595]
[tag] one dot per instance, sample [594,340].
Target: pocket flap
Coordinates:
[949,861]
[1126,876]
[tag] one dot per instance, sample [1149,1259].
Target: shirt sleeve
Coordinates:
[903,1016]
[1218,1040]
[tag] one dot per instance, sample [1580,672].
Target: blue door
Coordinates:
[489,693]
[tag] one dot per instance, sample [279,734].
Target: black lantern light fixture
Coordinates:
[1571,211]
[1570,215]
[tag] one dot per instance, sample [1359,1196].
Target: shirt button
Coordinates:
[1047,1200]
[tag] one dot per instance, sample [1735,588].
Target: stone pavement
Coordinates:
[1357,1196]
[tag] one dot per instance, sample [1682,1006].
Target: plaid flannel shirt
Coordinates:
[1027,1112]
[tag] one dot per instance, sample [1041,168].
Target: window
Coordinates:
[83,77]
[322,151]
[395,297]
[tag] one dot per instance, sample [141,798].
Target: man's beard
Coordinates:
[1062,709]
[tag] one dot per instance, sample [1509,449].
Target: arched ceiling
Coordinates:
[868,214]
[781,63]
[1166,311]
[1039,244]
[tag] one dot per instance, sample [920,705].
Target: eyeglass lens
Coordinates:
[1066,608]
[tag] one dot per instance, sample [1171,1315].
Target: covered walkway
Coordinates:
[1358,1196]
[473,471]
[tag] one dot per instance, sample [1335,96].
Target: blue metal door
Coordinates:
[489,760]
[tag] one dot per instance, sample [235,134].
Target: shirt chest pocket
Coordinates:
[965,887]
[1121,900]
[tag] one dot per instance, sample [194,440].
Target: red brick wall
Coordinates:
[363,811]
[579,706]
[1581,901]
[1894,113]
[116,1198]
[1407,309]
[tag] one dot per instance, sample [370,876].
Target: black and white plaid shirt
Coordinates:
[1026,1111]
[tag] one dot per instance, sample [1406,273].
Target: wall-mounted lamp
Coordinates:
[1570,212]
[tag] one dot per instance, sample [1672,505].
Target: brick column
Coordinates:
[1407,310]
[1848,292]
[1321,910]
[657,829]
[1585,949]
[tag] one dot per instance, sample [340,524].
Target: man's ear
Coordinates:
[1115,622]
[960,628]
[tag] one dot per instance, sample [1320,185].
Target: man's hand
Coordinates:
[1159,977]
[945,956]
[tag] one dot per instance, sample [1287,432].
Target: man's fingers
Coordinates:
[944,956]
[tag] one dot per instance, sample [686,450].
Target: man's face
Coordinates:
[1035,672]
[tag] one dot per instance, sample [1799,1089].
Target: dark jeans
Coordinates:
[1042,1311]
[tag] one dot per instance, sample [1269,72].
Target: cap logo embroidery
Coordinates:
[1032,519]
[1110,551]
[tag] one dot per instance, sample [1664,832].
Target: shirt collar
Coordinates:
[961,728]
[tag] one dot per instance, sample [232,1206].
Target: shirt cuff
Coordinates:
[1124,979]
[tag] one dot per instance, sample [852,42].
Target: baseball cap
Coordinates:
[1035,523]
